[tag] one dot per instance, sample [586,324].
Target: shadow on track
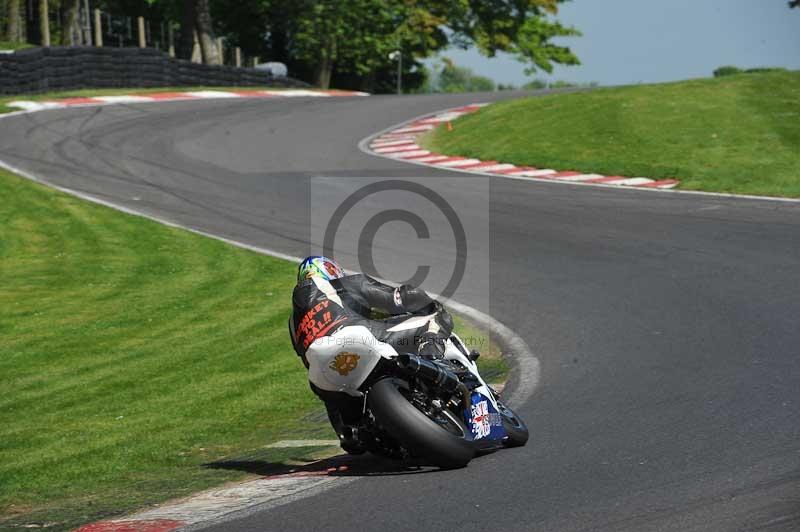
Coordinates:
[341,465]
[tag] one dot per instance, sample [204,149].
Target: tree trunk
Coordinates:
[197,55]
[186,41]
[44,23]
[205,33]
[71,34]
[323,73]
[325,65]
[12,33]
[86,24]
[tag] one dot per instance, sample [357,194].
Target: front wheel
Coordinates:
[438,437]
[515,428]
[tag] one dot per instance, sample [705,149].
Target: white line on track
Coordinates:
[395,149]
[128,98]
[431,159]
[282,444]
[456,164]
[293,93]
[493,168]
[588,177]
[386,143]
[213,94]
[408,154]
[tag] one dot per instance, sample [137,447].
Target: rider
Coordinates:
[326,299]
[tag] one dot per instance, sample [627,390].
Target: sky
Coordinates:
[646,41]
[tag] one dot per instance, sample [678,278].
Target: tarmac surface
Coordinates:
[667,325]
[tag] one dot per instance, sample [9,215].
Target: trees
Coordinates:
[524,28]
[44,23]
[12,27]
[186,38]
[453,78]
[196,22]
[535,85]
[205,33]
[539,84]
[356,37]
[448,77]
[71,32]
[321,33]
[334,41]
[534,48]
[727,71]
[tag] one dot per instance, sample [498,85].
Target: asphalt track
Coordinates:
[667,325]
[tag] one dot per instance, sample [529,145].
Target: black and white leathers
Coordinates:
[323,307]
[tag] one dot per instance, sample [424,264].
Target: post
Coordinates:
[171,37]
[220,51]
[256,60]
[399,72]
[238,56]
[397,54]
[98,28]
[44,22]
[142,39]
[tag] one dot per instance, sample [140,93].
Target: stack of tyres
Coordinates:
[83,67]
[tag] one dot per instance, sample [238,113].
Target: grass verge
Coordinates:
[14,45]
[134,357]
[737,134]
[47,96]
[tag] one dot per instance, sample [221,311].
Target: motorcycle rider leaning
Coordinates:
[326,299]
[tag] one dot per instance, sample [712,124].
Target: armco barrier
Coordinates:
[83,67]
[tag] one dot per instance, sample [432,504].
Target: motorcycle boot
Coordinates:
[348,435]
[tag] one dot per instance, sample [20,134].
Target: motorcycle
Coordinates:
[437,410]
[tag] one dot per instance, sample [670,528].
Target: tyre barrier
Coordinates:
[36,70]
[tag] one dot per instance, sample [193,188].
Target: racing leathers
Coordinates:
[322,307]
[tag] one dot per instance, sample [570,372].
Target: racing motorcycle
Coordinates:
[438,410]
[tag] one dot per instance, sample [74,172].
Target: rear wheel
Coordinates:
[434,434]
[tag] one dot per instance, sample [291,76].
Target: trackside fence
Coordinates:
[82,67]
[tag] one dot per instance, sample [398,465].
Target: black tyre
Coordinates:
[444,445]
[515,428]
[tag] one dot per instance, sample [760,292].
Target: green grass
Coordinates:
[4,100]
[133,354]
[14,45]
[493,367]
[738,134]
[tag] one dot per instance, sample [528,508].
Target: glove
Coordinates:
[443,318]
[431,346]
[415,300]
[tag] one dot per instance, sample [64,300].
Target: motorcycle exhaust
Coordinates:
[442,378]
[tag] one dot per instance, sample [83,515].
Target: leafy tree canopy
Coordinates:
[355,37]
[350,41]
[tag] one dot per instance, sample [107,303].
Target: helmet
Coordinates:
[318,267]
